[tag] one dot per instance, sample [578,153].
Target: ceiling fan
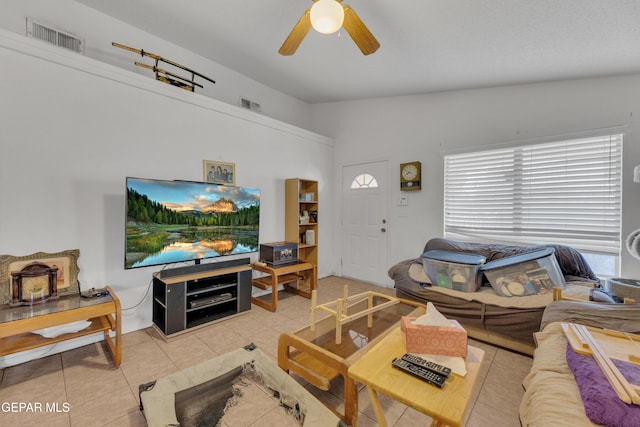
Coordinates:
[328,16]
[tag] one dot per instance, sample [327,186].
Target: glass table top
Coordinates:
[64,303]
[356,334]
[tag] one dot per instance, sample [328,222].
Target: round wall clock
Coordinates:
[410,176]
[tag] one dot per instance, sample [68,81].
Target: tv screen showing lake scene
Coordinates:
[175,221]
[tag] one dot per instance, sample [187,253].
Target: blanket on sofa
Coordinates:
[552,396]
[601,403]
[619,317]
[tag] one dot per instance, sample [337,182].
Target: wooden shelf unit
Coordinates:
[302,274]
[302,195]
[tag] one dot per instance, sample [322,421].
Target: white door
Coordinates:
[365,194]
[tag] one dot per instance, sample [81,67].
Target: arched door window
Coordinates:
[362,181]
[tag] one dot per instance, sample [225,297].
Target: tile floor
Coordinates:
[84,389]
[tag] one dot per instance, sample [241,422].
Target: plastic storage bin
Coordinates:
[620,289]
[453,270]
[525,274]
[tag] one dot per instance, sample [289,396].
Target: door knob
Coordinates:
[384,230]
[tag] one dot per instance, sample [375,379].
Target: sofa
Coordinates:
[507,322]
[552,395]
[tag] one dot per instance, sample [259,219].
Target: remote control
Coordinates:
[432,366]
[94,293]
[419,372]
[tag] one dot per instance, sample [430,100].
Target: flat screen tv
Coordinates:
[174,221]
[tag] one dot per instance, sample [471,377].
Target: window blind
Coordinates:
[566,192]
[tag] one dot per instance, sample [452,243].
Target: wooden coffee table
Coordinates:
[446,406]
[315,356]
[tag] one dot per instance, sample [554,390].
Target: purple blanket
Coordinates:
[601,404]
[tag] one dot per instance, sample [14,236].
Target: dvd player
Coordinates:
[208,301]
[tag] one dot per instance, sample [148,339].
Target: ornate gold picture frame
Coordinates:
[66,261]
[219,172]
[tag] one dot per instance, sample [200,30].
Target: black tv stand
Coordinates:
[193,296]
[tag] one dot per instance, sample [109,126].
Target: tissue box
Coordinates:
[429,339]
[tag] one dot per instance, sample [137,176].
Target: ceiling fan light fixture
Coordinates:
[327,16]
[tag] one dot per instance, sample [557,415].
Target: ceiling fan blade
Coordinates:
[359,32]
[296,35]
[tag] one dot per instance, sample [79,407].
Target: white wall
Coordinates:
[73,128]
[422,127]
[99,30]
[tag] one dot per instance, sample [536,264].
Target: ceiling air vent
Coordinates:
[54,36]
[250,105]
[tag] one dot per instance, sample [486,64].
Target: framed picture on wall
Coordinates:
[219,172]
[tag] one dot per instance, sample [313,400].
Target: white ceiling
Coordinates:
[426,45]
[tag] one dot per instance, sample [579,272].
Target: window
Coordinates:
[364,181]
[566,192]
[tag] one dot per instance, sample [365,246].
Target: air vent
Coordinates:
[54,36]
[250,105]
